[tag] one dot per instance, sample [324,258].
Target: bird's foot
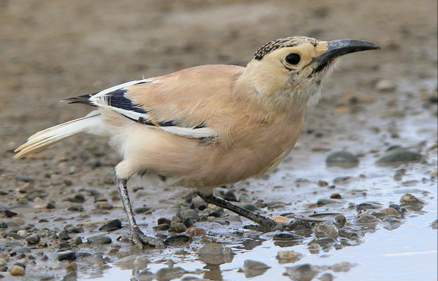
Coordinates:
[143,241]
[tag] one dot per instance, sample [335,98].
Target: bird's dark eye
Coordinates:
[293,58]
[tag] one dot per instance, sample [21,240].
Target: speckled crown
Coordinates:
[281,43]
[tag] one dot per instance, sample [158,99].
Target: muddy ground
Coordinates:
[380,104]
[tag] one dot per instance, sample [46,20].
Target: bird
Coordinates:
[207,126]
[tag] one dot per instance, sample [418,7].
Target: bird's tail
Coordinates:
[44,138]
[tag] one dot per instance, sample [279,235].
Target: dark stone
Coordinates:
[399,155]
[67,256]
[111,225]
[33,239]
[177,240]
[99,240]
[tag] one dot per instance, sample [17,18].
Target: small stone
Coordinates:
[169,273]
[325,201]
[164,221]
[230,196]
[368,206]
[325,230]
[253,268]
[198,204]
[215,254]
[326,277]
[99,240]
[343,159]
[304,272]
[17,270]
[434,224]
[399,155]
[335,196]
[8,213]
[177,227]
[314,248]
[281,236]
[280,219]
[177,240]
[388,212]
[195,231]
[367,219]
[340,220]
[385,85]
[409,199]
[188,214]
[24,178]
[288,256]
[33,239]
[3,225]
[104,205]
[22,233]
[342,267]
[78,198]
[67,256]
[111,225]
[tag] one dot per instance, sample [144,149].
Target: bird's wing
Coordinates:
[177,103]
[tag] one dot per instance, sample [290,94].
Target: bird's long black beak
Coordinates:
[338,48]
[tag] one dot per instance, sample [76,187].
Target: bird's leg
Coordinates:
[266,223]
[137,235]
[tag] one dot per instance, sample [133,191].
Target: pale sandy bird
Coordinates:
[210,125]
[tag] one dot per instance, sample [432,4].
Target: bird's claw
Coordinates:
[143,241]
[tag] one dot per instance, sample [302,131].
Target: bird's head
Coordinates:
[290,70]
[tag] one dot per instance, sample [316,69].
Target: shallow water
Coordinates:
[407,252]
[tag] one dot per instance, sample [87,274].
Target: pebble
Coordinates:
[326,277]
[17,270]
[177,240]
[368,206]
[288,256]
[281,236]
[177,227]
[67,256]
[169,273]
[434,224]
[280,219]
[230,196]
[33,239]
[304,272]
[340,220]
[385,85]
[8,213]
[325,230]
[342,267]
[215,254]
[253,268]
[367,219]
[78,198]
[409,199]
[198,203]
[314,248]
[398,156]
[195,231]
[343,159]
[164,221]
[111,225]
[188,214]
[388,212]
[99,240]
[335,196]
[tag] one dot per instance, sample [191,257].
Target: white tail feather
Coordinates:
[43,138]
